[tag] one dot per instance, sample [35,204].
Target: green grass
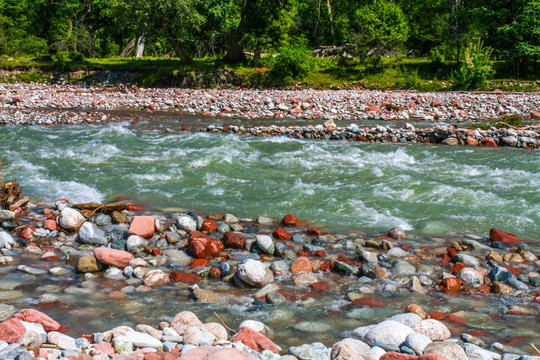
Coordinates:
[388,73]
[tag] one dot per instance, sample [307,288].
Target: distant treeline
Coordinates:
[441,30]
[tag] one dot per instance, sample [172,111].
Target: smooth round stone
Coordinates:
[403,268]
[313,326]
[409,319]
[90,234]
[114,273]
[186,223]
[280,265]
[135,242]
[448,349]
[265,243]
[397,252]
[170,335]
[467,260]
[475,351]
[195,336]
[471,277]
[433,329]
[255,325]
[142,340]
[388,332]
[417,342]
[178,257]
[362,313]
[297,238]
[314,351]
[6,240]
[245,257]
[103,220]
[499,273]
[6,312]
[122,345]
[255,273]
[223,228]
[369,256]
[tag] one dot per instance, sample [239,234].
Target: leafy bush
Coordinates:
[476,68]
[292,63]
[76,56]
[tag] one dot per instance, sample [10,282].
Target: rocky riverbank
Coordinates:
[32,104]
[116,249]
[440,134]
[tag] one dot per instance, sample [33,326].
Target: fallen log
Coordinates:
[100,208]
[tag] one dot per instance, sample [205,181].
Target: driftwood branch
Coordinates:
[100,208]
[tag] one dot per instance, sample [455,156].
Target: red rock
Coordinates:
[301,265]
[498,235]
[513,270]
[177,276]
[456,103]
[27,232]
[208,352]
[319,286]
[209,225]
[373,108]
[281,234]
[483,289]
[454,319]
[435,314]
[406,247]
[11,330]
[290,220]
[143,226]
[50,224]
[444,259]
[196,234]
[471,141]
[199,263]
[302,253]
[134,207]
[371,302]
[314,232]
[320,253]
[451,285]
[255,340]
[436,103]
[234,240]
[204,247]
[457,268]
[215,273]
[87,213]
[398,356]
[536,114]
[489,142]
[104,348]
[118,258]
[326,266]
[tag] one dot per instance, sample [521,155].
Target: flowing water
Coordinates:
[335,185]
[338,186]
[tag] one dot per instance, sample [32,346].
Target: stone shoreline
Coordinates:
[119,242]
[24,103]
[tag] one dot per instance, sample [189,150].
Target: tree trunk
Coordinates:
[257,58]
[140,47]
[235,52]
[181,52]
[129,48]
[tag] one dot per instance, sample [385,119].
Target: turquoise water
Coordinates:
[334,185]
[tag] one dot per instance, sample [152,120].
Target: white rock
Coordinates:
[476,352]
[135,242]
[194,335]
[255,325]
[255,273]
[417,342]
[64,342]
[434,329]
[6,240]
[388,332]
[409,319]
[265,243]
[6,215]
[142,340]
[186,223]
[70,219]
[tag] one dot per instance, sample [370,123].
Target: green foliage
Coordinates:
[292,63]
[382,28]
[76,56]
[505,122]
[476,68]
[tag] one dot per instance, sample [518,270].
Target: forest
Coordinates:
[284,36]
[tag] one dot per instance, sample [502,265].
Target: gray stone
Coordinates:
[37,328]
[403,268]
[186,223]
[122,345]
[31,270]
[467,260]
[6,312]
[178,257]
[142,340]
[6,215]
[70,219]
[360,332]
[315,351]
[448,349]
[409,319]
[135,242]
[349,349]
[114,273]
[170,335]
[368,256]
[194,335]
[417,342]
[476,352]
[91,234]
[103,220]
[397,252]
[388,332]
[266,244]
[255,273]
[433,329]
[6,240]
[15,351]
[509,141]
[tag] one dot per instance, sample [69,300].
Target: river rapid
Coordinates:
[339,186]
